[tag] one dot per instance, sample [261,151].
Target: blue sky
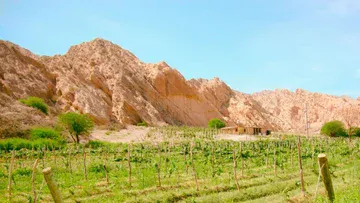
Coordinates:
[251,45]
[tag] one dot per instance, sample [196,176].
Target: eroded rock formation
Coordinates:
[112,85]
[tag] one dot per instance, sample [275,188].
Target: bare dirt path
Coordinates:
[130,134]
[139,134]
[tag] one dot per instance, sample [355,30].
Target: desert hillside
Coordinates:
[112,85]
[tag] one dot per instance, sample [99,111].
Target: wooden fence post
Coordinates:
[235,175]
[242,160]
[159,166]
[129,162]
[186,164]
[275,159]
[69,159]
[106,174]
[85,173]
[55,193]
[193,165]
[10,172]
[300,167]
[325,173]
[33,179]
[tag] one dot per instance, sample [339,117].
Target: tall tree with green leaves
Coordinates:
[76,124]
[216,123]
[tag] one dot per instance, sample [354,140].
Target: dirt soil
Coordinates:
[139,134]
[130,134]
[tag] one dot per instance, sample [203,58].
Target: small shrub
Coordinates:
[94,144]
[22,172]
[14,144]
[48,133]
[216,123]
[76,124]
[355,131]
[36,102]
[142,123]
[3,175]
[19,143]
[98,168]
[115,126]
[333,129]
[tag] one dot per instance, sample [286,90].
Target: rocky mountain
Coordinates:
[112,85]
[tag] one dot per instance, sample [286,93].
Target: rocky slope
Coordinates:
[112,85]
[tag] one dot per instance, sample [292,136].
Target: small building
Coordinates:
[252,130]
[238,130]
[232,130]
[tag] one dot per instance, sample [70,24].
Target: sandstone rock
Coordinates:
[112,85]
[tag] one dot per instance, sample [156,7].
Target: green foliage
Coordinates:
[333,129]
[76,124]
[46,133]
[94,144]
[98,168]
[216,123]
[170,161]
[142,123]
[356,131]
[19,143]
[35,102]
[22,172]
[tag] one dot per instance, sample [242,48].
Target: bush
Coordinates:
[98,168]
[94,144]
[35,102]
[76,124]
[333,129]
[216,123]
[22,172]
[356,131]
[49,133]
[19,143]
[142,123]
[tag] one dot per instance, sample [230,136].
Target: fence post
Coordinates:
[300,167]
[85,173]
[55,193]
[325,173]
[129,162]
[33,179]
[10,173]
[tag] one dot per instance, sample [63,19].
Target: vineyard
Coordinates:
[187,165]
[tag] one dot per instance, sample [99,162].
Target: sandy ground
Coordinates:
[139,134]
[130,134]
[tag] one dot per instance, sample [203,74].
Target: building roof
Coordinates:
[230,127]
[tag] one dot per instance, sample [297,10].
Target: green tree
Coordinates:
[333,129]
[216,123]
[76,124]
[36,102]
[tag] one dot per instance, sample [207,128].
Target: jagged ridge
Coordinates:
[112,85]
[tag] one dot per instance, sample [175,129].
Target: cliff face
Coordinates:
[112,85]
[291,107]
